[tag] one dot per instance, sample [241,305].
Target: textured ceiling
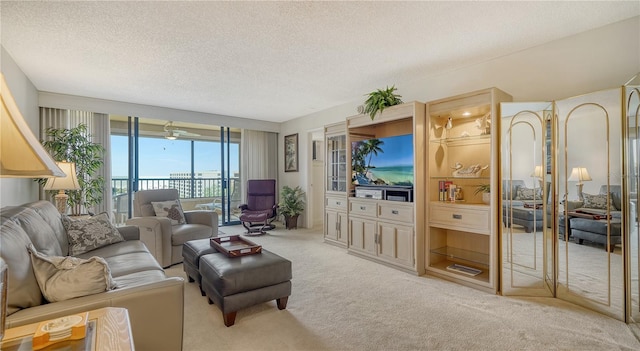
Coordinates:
[272,60]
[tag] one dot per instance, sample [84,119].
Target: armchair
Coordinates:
[261,207]
[164,239]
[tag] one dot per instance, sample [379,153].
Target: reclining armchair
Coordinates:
[261,207]
[164,235]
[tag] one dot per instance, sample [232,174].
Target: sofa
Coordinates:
[521,205]
[595,229]
[155,302]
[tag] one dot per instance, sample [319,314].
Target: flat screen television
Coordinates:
[383,161]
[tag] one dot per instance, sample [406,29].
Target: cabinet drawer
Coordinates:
[361,208]
[339,203]
[462,218]
[396,213]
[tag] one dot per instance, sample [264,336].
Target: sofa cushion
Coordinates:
[63,278]
[91,233]
[524,193]
[37,229]
[170,209]
[599,202]
[22,287]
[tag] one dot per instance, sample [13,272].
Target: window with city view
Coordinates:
[167,164]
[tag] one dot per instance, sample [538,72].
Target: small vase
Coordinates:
[486,198]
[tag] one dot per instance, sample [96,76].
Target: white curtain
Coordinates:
[98,131]
[259,156]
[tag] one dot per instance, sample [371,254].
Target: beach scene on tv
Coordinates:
[383,161]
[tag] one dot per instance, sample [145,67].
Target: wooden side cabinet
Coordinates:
[373,236]
[335,190]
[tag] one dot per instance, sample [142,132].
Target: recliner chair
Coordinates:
[163,239]
[261,207]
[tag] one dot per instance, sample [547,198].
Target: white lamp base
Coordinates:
[61,201]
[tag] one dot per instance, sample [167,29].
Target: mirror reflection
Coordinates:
[589,202]
[526,249]
[632,162]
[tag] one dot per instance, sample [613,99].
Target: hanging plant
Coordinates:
[380,99]
[74,145]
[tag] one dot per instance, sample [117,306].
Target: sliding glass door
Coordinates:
[200,161]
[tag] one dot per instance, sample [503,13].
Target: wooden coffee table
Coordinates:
[108,329]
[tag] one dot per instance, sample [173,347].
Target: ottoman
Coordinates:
[191,253]
[596,231]
[256,222]
[236,283]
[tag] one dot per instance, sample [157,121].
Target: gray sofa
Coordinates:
[595,230]
[155,302]
[524,212]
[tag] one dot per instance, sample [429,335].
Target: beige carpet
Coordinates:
[342,302]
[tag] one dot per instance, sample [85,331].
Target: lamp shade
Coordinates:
[538,172]
[579,174]
[68,182]
[21,154]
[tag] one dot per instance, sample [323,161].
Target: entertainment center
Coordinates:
[408,200]
[378,216]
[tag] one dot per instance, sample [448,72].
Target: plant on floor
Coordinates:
[380,99]
[75,145]
[291,205]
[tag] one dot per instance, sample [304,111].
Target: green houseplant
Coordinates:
[485,189]
[291,205]
[380,99]
[74,145]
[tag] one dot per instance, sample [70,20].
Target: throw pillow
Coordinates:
[597,201]
[91,233]
[170,209]
[63,278]
[523,193]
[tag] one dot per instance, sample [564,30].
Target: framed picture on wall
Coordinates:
[291,153]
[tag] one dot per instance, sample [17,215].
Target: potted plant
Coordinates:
[485,189]
[291,205]
[74,145]
[380,99]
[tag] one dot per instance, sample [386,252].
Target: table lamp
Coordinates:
[21,155]
[579,174]
[68,182]
[538,172]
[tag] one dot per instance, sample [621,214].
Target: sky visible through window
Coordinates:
[160,157]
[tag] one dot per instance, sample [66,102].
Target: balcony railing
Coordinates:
[188,188]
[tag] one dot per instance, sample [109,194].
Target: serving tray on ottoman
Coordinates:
[235,246]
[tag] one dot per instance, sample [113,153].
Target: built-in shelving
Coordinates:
[463,231]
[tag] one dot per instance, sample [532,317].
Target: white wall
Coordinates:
[594,60]
[18,191]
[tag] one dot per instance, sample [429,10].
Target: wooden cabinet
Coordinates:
[389,229]
[335,220]
[463,153]
[372,235]
[335,212]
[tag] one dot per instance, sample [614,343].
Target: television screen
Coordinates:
[383,161]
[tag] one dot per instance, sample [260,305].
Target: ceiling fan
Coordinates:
[172,133]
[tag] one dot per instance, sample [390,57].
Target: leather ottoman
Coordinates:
[191,253]
[239,282]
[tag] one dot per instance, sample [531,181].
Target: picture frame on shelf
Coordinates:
[291,153]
